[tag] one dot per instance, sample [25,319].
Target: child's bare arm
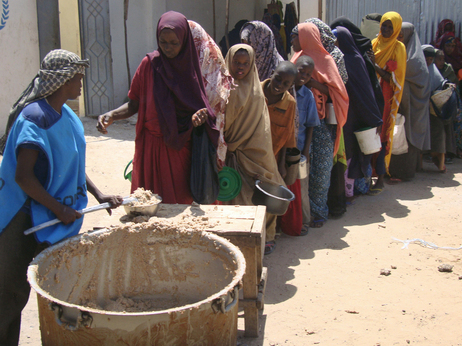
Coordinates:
[103,198]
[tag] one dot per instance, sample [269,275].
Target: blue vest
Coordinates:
[61,138]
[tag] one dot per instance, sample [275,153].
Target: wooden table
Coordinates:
[244,226]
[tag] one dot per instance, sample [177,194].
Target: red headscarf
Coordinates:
[455,58]
[326,72]
[179,88]
[441,31]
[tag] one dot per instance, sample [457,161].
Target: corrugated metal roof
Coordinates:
[424,14]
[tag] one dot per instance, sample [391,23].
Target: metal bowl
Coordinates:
[150,210]
[276,198]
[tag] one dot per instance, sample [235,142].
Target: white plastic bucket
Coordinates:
[369,140]
[302,172]
[330,114]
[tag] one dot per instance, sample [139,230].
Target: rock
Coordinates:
[385,272]
[394,267]
[447,268]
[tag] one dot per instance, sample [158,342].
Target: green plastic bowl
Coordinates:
[128,176]
[230,184]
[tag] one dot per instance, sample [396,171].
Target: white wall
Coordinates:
[20,54]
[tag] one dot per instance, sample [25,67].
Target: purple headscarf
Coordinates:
[179,88]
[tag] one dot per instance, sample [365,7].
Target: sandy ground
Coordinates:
[326,288]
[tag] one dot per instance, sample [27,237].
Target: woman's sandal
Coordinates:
[317,223]
[269,247]
[374,191]
[305,230]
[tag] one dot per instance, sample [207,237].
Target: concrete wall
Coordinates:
[20,53]
[142,22]
[143,16]
[70,40]
[20,47]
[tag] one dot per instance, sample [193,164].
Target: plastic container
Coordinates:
[369,140]
[128,175]
[230,184]
[185,285]
[276,198]
[292,160]
[330,114]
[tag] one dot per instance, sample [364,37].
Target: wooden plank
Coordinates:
[231,212]
[262,289]
[250,291]
[259,226]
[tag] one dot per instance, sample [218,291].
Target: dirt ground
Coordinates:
[326,288]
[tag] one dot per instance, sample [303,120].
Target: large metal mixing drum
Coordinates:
[148,286]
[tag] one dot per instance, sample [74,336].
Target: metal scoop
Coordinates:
[101,206]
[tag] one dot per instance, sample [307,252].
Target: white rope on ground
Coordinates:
[425,244]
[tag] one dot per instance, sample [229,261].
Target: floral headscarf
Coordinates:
[260,37]
[217,80]
[328,41]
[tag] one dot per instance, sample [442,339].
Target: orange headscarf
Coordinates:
[386,49]
[325,72]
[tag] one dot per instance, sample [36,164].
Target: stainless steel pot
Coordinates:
[276,198]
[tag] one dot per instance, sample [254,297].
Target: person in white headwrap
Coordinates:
[42,177]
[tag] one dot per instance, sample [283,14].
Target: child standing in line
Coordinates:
[247,133]
[281,107]
[308,119]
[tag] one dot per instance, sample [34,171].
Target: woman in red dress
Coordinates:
[168,93]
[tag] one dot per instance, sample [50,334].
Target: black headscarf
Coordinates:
[233,37]
[364,45]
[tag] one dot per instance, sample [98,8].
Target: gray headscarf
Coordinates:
[436,79]
[416,92]
[57,68]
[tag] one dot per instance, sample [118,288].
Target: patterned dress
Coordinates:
[322,147]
